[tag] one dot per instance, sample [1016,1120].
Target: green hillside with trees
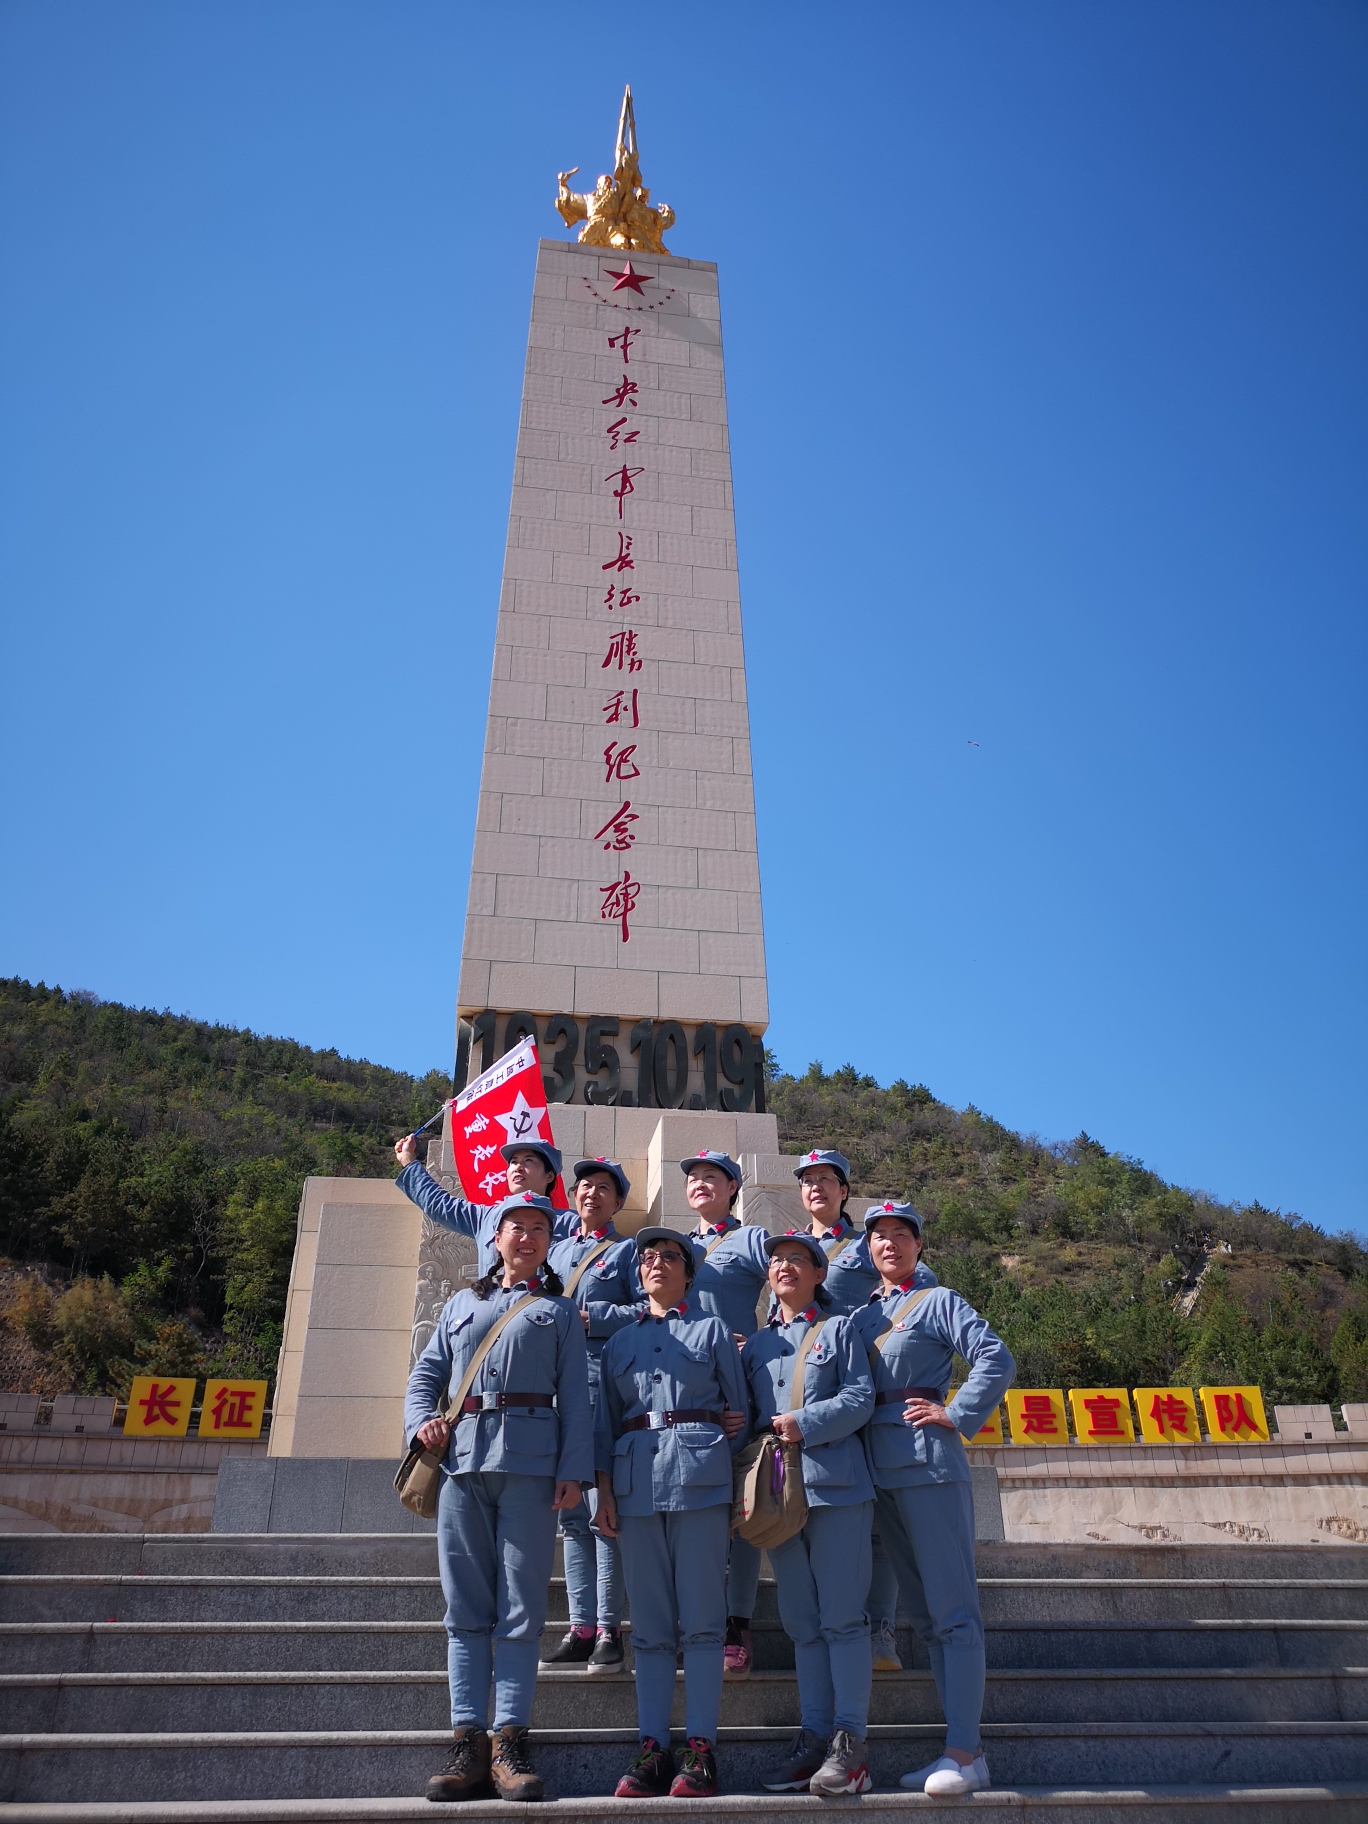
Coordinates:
[151,1166]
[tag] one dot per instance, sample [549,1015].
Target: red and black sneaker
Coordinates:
[697,1776]
[649,1775]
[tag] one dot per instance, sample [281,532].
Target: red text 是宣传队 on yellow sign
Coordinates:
[1168,1415]
[990,1432]
[1102,1415]
[1037,1415]
[159,1406]
[232,1409]
[1234,1415]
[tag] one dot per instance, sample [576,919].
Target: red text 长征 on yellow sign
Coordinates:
[232,1409]
[159,1406]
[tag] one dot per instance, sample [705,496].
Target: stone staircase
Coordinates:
[222,1678]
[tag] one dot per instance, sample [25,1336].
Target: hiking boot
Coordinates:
[466,1774]
[576,1647]
[649,1774]
[510,1766]
[807,1752]
[607,1655]
[845,1769]
[736,1650]
[697,1776]
[884,1646]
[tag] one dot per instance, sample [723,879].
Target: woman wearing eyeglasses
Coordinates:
[671,1413]
[810,1383]
[518,1453]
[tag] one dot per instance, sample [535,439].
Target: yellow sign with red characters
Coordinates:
[1037,1415]
[1168,1415]
[1234,1415]
[990,1432]
[159,1406]
[1102,1415]
[232,1410]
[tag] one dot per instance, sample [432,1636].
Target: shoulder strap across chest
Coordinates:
[487,1342]
[601,1247]
[799,1367]
[901,1315]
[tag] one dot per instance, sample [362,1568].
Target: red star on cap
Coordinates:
[888,1206]
[630,278]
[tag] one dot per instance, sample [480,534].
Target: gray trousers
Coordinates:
[929,1534]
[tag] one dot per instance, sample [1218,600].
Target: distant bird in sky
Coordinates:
[973,744]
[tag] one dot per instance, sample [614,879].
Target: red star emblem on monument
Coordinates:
[630,278]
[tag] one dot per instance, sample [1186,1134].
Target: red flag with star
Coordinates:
[505,1105]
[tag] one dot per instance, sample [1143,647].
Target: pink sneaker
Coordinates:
[736,1653]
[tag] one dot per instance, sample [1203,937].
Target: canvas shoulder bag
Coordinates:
[769,1502]
[420,1474]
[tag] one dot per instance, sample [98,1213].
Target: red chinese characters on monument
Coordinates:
[622,650]
[618,828]
[623,706]
[625,479]
[619,899]
[618,762]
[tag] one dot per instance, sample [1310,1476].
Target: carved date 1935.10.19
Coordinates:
[664,1064]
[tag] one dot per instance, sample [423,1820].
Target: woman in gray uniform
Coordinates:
[598,1267]
[924,1507]
[671,1413]
[809,1382]
[518,1453]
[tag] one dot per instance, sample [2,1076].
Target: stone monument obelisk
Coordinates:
[614,908]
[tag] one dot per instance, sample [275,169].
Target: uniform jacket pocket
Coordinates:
[531,1434]
[830,1465]
[704,1458]
[896,1446]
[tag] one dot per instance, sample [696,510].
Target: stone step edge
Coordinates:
[427,1675]
[1191,1625]
[1017,1798]
[277,1739]
[250,1580]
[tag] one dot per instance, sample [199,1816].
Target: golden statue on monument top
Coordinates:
[617,212]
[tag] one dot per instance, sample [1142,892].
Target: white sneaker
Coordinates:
[947,1778]
[915,1782]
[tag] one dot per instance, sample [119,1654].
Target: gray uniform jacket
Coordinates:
[838,1399]
[686,1362]
[729,1280]
[922,1355]
[473,1219]
[540,1351]
[608,1288]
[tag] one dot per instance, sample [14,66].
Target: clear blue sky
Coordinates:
[1045,330]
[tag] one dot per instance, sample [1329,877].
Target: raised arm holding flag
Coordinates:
[500,1133]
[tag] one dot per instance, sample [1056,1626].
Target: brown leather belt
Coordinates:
[494,1402]
[661,1421]
[896,1395]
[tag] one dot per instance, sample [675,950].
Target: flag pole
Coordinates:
[428,1123]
